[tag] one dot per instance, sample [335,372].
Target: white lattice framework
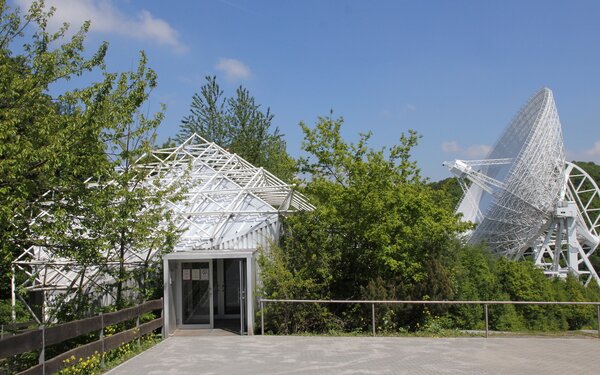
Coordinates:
[226,204]
[527,201]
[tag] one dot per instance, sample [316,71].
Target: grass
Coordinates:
[125,356]
[93,365]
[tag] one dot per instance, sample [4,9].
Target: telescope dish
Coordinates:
[526,200]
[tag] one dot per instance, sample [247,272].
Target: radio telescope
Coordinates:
[527,201]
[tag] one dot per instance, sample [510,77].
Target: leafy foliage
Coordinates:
[381,232]
[378,231]
[479,276]
[451,186]
[43,144]
[72,154]
[93,365]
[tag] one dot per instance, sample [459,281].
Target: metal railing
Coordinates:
[486,304]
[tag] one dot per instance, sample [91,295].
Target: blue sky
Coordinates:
[454,71]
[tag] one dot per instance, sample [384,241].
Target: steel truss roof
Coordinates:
[226,204]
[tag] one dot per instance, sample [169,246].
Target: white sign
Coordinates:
[186,274]
[204,274]
[195,274]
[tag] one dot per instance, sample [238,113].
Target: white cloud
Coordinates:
[594,152]
[233,69]
[410,107]
[478,151]
[107,18]
[471,152]
[450,147]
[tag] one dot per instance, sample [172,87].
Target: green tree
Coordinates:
[43,145]
[134,214]
[451,186]
[474,279]
[239,125]
[72,154]
[591,168]
[378,226]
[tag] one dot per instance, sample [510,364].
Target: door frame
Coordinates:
[172,283]
[243,292]
[180,294]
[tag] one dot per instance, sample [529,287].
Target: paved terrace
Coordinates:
[366,355]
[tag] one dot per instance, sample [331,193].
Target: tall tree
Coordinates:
[72,154]
[207,116]
[136,210]
[379,231]
[43,145]
[239,125]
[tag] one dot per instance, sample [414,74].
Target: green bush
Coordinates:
[22,314]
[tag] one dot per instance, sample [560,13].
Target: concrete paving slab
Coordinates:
[366,355]
[204,332]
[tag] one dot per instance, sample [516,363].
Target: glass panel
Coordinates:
[232,285]
[195,283]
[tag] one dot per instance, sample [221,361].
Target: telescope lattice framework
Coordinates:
[528,201]
[227,204]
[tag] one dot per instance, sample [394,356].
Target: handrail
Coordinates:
[15,328]
[40,338]
[263,301]
[430,302]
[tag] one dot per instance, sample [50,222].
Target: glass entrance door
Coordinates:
[229,294]
[196,289]
[231,286]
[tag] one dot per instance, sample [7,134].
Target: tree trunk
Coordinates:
[121,276]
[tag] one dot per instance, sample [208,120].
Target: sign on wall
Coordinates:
[204,274]
[195,274]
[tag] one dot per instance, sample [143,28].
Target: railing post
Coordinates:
[102,364]
[42,358]
[137,326]
[262,317]
[162,315]
[598,307]
[373,317]
[13,296]
[486,321]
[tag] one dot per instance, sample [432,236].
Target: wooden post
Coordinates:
[486,321]
[137,326]
[373,317]
[102,364]
[162,315]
